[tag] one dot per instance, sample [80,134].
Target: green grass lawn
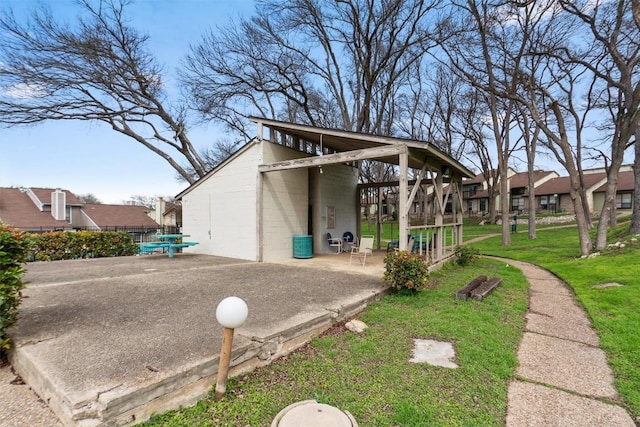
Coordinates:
[472,228]
[615,311]
[370,374]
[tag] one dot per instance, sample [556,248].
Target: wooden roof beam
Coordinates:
[327,159]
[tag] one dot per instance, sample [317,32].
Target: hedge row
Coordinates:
[14,249]
[60,245]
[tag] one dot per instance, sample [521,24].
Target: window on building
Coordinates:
[623,201]
[544,202]
[483,205]
[517,204]
[449,206]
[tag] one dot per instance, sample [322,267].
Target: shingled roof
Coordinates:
[625,182]
[109,216]
[20,211]
[29,209]
[561,185]
[521,179]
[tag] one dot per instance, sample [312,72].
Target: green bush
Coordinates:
[404,270]
[14,249]
[466,255]
[61,245]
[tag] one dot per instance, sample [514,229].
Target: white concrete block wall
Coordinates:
[285,204]
[335,187]
[220,213]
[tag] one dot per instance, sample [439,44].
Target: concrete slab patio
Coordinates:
[110,341]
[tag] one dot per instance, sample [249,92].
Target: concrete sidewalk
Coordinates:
[563,379]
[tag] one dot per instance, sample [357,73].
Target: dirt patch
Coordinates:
[608,285]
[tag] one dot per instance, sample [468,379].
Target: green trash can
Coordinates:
[302,246]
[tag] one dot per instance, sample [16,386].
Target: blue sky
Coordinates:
[85,157]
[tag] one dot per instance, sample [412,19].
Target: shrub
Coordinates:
[14,249]
[404,270]
[466,255]
[60,245]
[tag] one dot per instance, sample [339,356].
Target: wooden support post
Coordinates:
[358,229]
[223,366]
[403,217]
[440,207]
[460,212]
[378,216]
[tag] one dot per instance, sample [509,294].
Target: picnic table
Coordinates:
[166,241]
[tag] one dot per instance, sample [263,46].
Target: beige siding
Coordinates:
[598,202]
[336,188]
[220,213]
[565,205]
[285,203]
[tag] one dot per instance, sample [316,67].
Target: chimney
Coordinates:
[159,211]
[59,204]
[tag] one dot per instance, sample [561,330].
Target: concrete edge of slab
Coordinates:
[127,405]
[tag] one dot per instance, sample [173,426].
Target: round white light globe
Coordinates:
[232,312]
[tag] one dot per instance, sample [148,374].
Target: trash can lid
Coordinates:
[310,413]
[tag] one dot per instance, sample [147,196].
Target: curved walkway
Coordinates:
[562,378]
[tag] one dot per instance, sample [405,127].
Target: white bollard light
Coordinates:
[231,313]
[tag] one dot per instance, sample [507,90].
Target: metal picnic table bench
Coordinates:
[166,241]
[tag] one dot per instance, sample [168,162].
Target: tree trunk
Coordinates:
[613,221]
[493,214]
[609,200]
[531,201]
[635,217]
[504,205]
[581,219]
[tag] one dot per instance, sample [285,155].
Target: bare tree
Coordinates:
[530,135]
[487,50]
[341,64]
[613,55]
[150,201]
[89,198]
[475,129]
[429,108]
[547,90]
[98,69]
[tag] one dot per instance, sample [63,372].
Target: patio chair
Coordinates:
[362,250]
[348,241]
[334,242]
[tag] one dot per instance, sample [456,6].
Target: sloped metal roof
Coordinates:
[343,141]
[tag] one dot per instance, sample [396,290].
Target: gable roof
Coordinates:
[562,184]
[18,210]
[44,195]
[521,179]
[29,209]
[626,181]
[119,215]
